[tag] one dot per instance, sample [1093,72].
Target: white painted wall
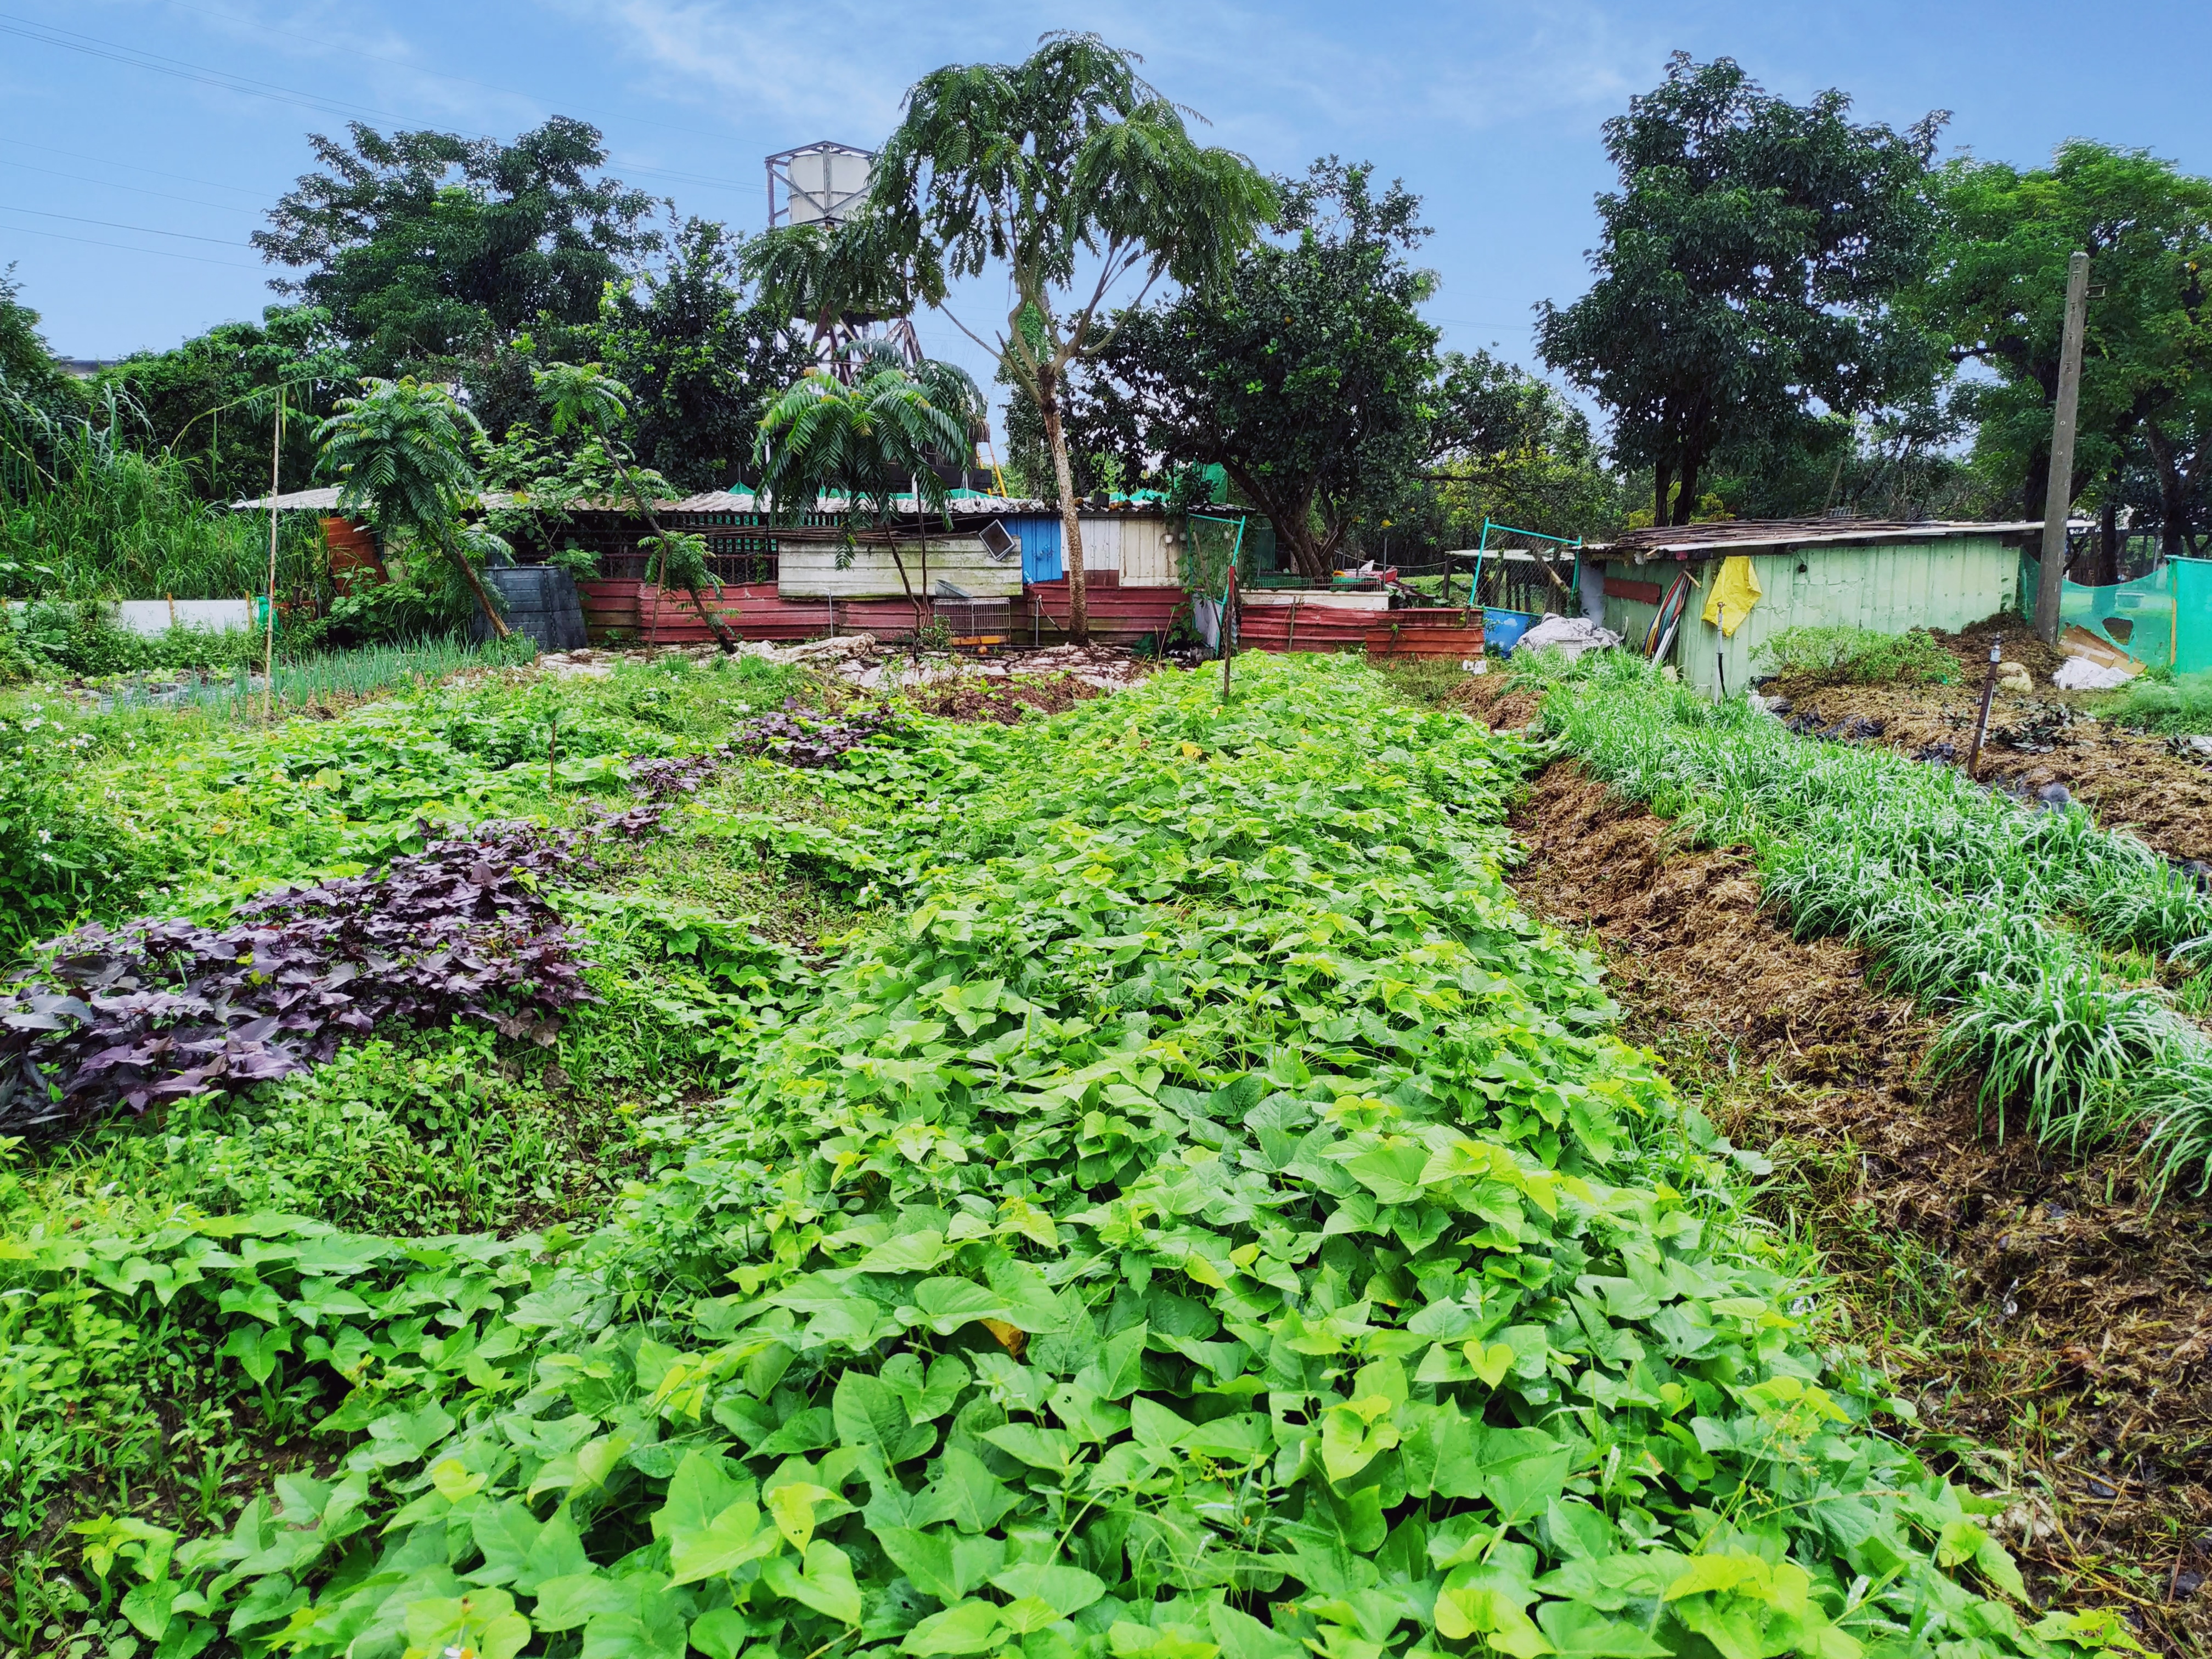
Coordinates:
[808,570]
[1147,561]
[1101,542]
[154,616]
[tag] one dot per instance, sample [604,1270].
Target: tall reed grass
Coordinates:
[106,522]
[1961,897]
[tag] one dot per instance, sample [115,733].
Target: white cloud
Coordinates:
[839,68]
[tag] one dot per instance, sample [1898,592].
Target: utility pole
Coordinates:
[2060,496]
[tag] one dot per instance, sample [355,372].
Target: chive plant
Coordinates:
[2000,914]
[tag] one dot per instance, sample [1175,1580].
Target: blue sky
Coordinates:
[123,118]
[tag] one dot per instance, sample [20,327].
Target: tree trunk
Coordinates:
[1070,532]
[2105,563]
[2172,493]
[714,624]
[890,542]
[1662,478]
[1686,498]
[500,630]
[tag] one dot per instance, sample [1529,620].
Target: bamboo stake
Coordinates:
[269,630]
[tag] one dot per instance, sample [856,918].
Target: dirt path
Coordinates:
[2030,1305]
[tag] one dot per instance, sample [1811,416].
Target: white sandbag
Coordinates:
[1572,635]
[2080,674]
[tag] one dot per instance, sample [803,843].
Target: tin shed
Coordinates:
[1817,572]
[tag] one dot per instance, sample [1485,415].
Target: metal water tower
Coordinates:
[817,184]
[824,184]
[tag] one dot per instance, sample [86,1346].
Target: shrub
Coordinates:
[2174,708]
[1857,656]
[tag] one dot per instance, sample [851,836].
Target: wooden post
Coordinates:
[2050,579]
[1228,649]
[268,634]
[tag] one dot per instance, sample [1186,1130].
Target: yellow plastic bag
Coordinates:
[1733,594]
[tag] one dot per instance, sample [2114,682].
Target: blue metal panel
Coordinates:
[1040,540]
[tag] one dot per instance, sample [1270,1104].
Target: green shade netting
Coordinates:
[2145,617]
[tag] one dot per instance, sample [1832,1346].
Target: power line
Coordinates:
[151,252]
[199,74]
[130,167]
[135,190]
[110,224]
[259,27]
[155,63]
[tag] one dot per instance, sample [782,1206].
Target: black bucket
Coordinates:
[540,601]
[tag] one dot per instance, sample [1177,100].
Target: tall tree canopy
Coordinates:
[426,248]
[1310,377]
[1747,272]
[1303,373]
[1071,171]
[700,358]
[2000,295]
[37,396]
[211,402]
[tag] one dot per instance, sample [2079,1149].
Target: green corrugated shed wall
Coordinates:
[1947,583]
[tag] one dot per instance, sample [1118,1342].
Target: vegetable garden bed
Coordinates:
[2046,1310]
[1188,1210]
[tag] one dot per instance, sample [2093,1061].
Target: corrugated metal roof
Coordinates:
[1739,535]
[723,501]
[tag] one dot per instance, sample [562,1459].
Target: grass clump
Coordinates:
[2178,706]
[1857,656]
[1205,1217]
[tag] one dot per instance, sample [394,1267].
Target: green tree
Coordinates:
[1504,446]
[583,399]
[1071,171]
[211,401]
[870,443]
[39,403]
[404,452]
[1999,295]
[701,358]
[1304,372]
[1747,273]
[428,249]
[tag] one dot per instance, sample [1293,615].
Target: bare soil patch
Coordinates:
[1002,697]
[2036,1305]
[1492,699]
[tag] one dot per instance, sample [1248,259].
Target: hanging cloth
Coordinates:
[1735,591]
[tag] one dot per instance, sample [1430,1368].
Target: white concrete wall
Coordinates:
[1101,541]
[808,570]
[153,617]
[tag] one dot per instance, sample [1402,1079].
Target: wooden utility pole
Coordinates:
[2050,578]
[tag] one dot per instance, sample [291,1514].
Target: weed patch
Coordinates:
[1857,656]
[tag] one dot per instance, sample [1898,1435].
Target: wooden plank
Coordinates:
[1626,587]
